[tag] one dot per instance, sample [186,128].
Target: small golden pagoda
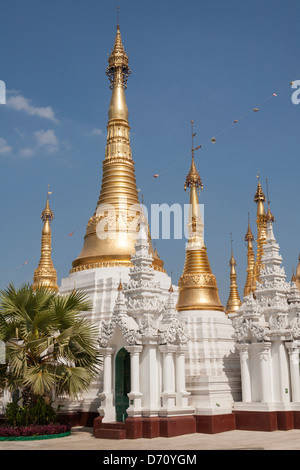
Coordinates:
[234,301]
[261,221]
[45,274]
[197,285]
[249,238]
[112,230]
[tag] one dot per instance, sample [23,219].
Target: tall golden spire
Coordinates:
[261,221]
[45,274]
[249,238]
[234,301]
[197,285]
[112,230]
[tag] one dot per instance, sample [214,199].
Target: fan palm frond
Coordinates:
[48,343]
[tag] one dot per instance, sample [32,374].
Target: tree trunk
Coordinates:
[28,396]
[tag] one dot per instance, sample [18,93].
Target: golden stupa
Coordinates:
[197,285]
[45,274]
[234,301]
[249,284]
[112,230]
[261,221]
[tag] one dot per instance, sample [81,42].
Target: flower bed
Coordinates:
[47,431]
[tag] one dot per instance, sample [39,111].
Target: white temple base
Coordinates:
[177,411]
[265,407]
[212,363]
[101,287]
[213,411]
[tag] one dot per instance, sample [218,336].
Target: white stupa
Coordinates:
[267,336]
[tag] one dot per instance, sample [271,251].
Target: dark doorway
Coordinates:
[122,384]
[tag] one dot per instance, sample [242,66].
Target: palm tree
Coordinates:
[50,346]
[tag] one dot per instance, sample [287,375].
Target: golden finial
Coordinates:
[249,238]
[45,274]
[120,286]
[249,234]
[232,261]
[47,212]
[155,254]
[259,195]
[193,177]
[171,285]
[143,218]
[234,301]
[118,70]
[261,222]
[270,216]
[297,275]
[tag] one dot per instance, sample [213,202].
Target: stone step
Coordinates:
[110,433]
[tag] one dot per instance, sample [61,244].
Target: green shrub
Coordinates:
[40,412]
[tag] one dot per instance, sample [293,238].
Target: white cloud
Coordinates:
[4,148]
[47,139]
[20,103]
[26,152]
[97,132]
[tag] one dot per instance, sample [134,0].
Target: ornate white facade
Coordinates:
[267,336]
[101,287]
[147,326]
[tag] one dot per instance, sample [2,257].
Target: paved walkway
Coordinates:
[82,439]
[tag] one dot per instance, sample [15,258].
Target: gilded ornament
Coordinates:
[112,242]
[45,274]
[197,286]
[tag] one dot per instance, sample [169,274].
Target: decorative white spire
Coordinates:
[120,308]
[267,313]
[142,293]
[273,278]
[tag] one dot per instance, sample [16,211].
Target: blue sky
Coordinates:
[212,62]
